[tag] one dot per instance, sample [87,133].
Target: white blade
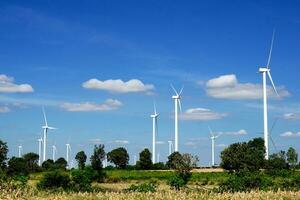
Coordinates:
[51,128]
[154,105]
[174,89]
[181,90]
[179,103]
[271,49]
[211,133]
[45,118]
[269,74]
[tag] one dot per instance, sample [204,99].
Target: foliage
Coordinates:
[119,157]
[173,158]
[159,166]
[98,157]
[48,164]
[292,156]
[244,156]
[3,154]
[54,180]
[145,161]
[81,159]
[176,182]
[17,166]
[276,164]
[31,160]
[81,180]
[60,163]
[144,187]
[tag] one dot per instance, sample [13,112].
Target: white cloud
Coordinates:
[118,85]
[190,143]
[7,85]
[201,114]
[121,141]
[221,145]
[228,87]
[4,109]
[240,132]
[290,134]
[95,141]
[108,105]
[291,116]
[160,142]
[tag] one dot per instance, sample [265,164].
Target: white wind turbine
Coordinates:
[46,128]
[170,146]
[40,150]
[213,138]
[54,151]
[68,151]
[20,148]
[177,101]
[154,132]
[158,157]
[266,71]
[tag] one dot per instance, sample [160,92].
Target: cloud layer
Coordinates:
[201,114]
[240,132]
[4,109]
[118,86]
[228,87]
[108,105]
[7,85]
[290,134]
[291,116]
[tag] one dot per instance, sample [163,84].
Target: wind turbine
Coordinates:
[20,148]
[54,150]
[170,146]
[134,160]
[266,71]
[40,150]
[68,149]
[158,157]
[177,101]
[46,128]
[213,138]
[154,132]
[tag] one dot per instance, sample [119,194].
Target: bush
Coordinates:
[82,180]
[177,182]
[144,187]
[54,180]
[17,166]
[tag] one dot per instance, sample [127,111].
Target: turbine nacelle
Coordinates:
[176,97]
[263,69]
[154,115]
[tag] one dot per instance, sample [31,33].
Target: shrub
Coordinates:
[17,166]
[144,187]
[176,182]
[54,180]
[81,180]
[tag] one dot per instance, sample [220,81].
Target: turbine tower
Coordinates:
[68,149]
[20,148]
[170,146]
[54,150]
[213,138]
[154,132]
[177,101]
[46,128]
[266,71]
[40,151]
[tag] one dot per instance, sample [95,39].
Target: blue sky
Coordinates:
[212,48]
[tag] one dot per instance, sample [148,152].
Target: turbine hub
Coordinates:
[263,69]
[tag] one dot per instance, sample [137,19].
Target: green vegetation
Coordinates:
[119,157]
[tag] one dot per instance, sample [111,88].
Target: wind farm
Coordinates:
[149,100]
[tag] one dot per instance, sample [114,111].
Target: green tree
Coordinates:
[97,157]
[244,156]
[17,166]
[3,154]
[175,157]
[31,160]
[277,161]
[61,163]
[48,164]
[81,159]
[145,161]
[292,156]
[119,157]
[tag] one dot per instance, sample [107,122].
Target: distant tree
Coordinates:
[175,157]
[244,156]
[292,156]
[48,164]
[17,166]
[97,157]
[3,154]
[277,161]
[145,161]
[119,157]
[81,159]
[31,160]
[61,163]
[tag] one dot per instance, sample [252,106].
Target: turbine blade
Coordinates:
[210,131]
[45,118]
[269,74]
[179,103]
[273,125]
[174,89]
[51,128]
[273,143]
[154,105]
[181,90]
[271,49]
